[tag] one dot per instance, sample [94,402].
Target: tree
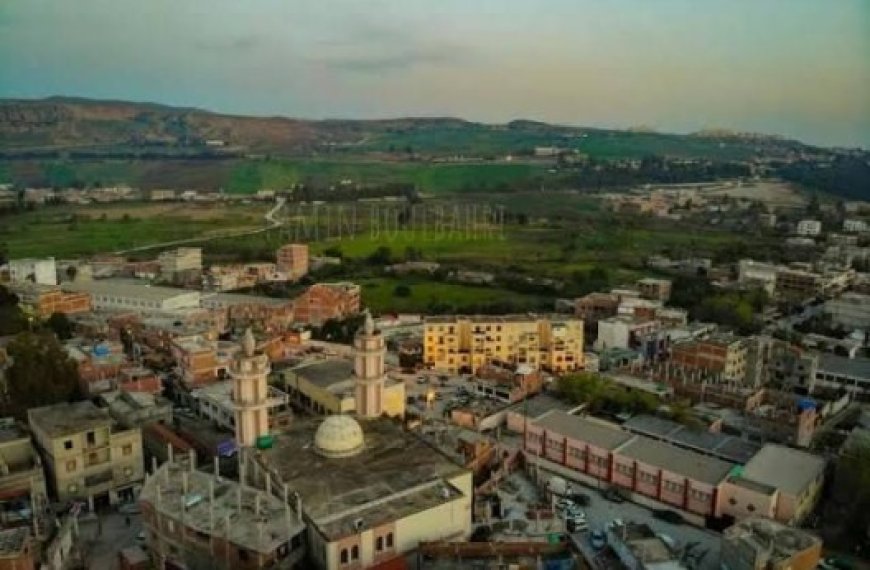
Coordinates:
[402,290]
[381,256]
[41,373]
[60,325]
[12,318]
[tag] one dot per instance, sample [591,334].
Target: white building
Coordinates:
[850,311]
[181,259]
[855,226]
[622,331]
[757,273]
[809,228]
[41,271]
[125,295]
[215,403]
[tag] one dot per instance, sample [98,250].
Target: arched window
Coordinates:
[344,555]
[354,552]
[389,540]
[379,544]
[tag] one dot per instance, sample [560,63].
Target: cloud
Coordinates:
[389,62]
[241,43]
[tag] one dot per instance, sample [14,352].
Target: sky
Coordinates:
[798,68]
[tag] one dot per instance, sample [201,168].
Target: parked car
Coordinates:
[576,525]
[669,516]
[839,563]
[597,539]
[574,513]
[581,499]
[563,504]
[481,534]
[613,495]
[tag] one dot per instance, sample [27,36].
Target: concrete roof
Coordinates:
[126,288]
[677,460]
[67,419]
[327,372]
[720,445]
[789,470]
[854,367]
[591,432]
[538,405]
[395,475]
[232,513]
[227,299]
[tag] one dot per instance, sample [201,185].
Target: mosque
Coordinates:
[369,492]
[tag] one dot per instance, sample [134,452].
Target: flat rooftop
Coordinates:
[229,299]
[243,515]
[11,430]
[854,367]
[12,540]
[669,457]
[538,405]
[576,427]
[787,469]
[325,373]
[727,447]
[66,419]
[395,475]
[126,288]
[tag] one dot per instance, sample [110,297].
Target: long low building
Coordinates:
[129,295]
[662,474]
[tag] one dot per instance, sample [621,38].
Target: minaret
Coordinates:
[249,371]
[369,370]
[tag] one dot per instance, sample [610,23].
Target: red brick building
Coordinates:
[324,301]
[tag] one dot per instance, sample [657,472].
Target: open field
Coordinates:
[774,194]
[67,232]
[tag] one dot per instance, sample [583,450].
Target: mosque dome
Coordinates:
[339,436]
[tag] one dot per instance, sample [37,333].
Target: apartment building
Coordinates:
[596,306]
[45,300]
[292,260]
[463,344]
[22,480]
[623,332]
[39,271]
[759,543]
[809,228]
[324,301]
[757,274]
[719,357]
[854,226]
[243,311]
[655,289]
[177,261]
[87,455]
[196,358]
[800,282]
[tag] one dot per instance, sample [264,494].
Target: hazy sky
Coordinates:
[800,68]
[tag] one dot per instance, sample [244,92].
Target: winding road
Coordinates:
[269,216]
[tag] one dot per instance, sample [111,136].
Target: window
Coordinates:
[750,508]
[68,444]
[379,544]
[354,552]
[732,501]
[243,554]
[127,449]
[344,556]
[389,540]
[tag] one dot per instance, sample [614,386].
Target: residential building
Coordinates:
[508,384]
[596,306]
[324,301]
[197,359]
[757,274]
[800,283]
[850,311]
[214,402]
[22,480]
[137,409]
[292,260]
[135,297]
[87,454]
[719,357]
[179,261]
[195,519]
[655,289]
[17,549]
[639,547]
[854,226]
[808,228]
[39,271]
[465,343]
[790,366]
[242,311]
[623,332]
[758,543]
[779,482]
[45,300]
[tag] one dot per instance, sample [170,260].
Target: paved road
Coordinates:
[271,222]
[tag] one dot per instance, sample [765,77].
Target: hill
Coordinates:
[88,127]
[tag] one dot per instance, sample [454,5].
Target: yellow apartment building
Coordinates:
[462,344]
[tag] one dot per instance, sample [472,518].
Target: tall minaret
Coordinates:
[249,371]
[369,370]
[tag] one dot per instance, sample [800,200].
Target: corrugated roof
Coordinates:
[591,432]
[677,460]
[787,469]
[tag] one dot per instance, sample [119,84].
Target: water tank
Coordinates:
[101,350]
[805,404]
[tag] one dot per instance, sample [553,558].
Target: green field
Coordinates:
[68,232]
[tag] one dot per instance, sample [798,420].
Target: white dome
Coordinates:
[339,436]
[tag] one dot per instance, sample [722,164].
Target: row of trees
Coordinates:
[603,395]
